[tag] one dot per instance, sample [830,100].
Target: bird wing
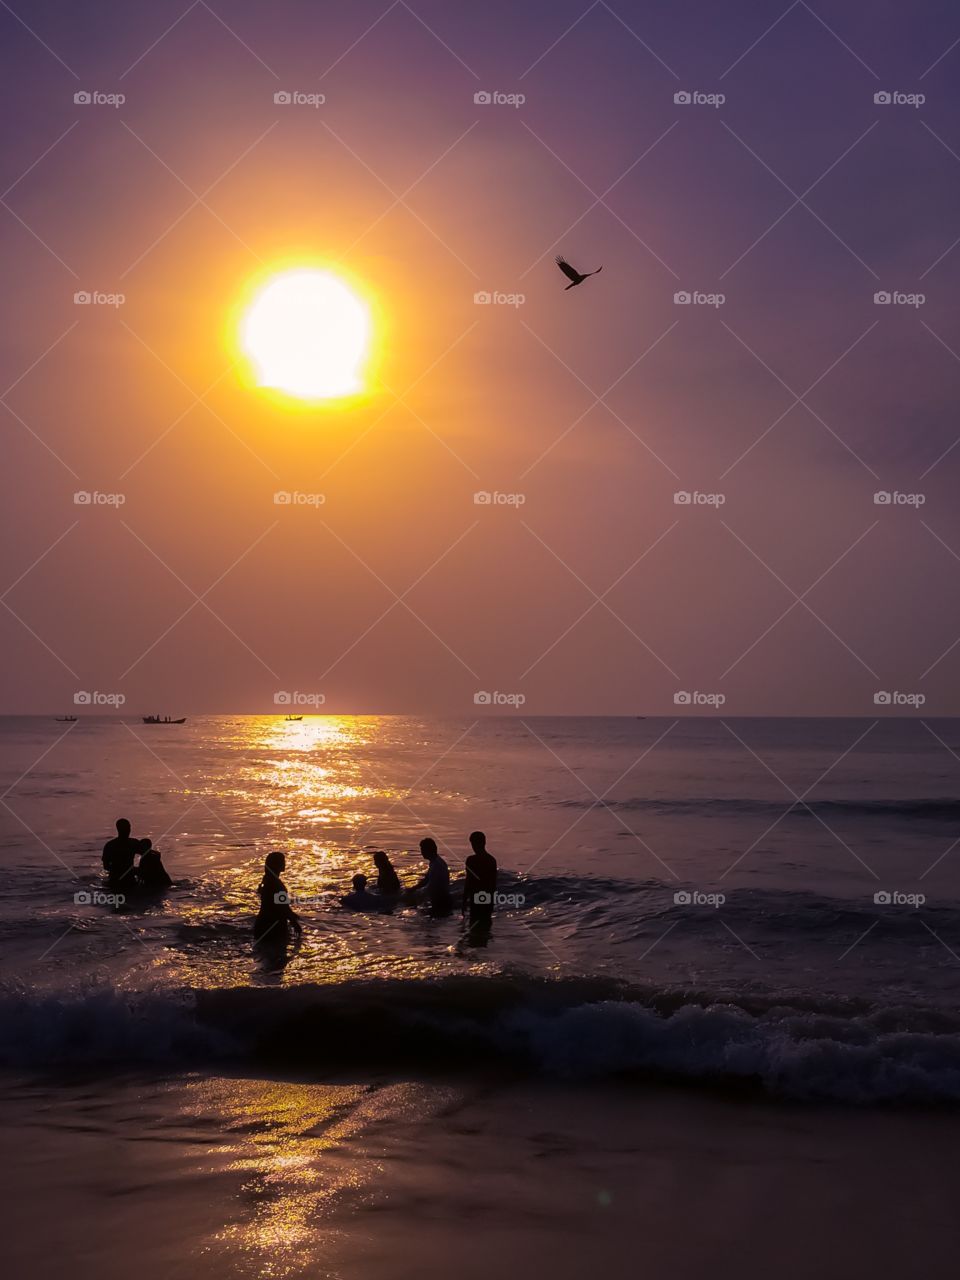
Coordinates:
[570,272]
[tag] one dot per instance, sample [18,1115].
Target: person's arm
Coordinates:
[287,913]
[466,889]
[105,857]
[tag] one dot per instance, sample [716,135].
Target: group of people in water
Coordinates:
[276,918]
[124,873]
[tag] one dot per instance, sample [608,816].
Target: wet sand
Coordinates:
[191,1178]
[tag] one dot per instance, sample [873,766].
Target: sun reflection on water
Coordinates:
[327,791]
[301,1151]
[281,1134]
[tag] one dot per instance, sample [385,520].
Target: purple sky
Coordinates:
[798,198]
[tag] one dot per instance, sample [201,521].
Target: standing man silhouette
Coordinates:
[480,885]
[118,856]
[435,885]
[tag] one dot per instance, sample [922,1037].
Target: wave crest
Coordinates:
[574,1028]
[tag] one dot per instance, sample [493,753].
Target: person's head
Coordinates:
[123,828]
[359,883]
[381,861]
[275,863]
[428,848]
[478,842]
[145,846]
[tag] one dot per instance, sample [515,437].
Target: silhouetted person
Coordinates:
[480,885]
[275,915]
[388,882]
[435,885]
[361,899]
[118,856]
[151,873]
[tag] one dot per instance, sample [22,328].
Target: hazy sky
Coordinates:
[795,399]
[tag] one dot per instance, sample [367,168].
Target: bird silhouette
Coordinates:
[574,276]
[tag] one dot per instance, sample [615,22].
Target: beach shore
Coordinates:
[196,1177]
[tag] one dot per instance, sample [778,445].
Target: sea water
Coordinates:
[767,900]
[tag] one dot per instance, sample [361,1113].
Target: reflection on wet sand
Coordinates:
[301,1152]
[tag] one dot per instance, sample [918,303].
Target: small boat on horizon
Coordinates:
[163,720]
[293,717]
[66,719]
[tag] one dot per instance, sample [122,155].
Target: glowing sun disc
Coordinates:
[306,334]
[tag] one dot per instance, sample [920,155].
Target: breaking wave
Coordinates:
[582,1029]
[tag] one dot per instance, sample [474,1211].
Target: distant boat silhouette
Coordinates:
[66,719]
[163,720]
[572,274]
[293,717]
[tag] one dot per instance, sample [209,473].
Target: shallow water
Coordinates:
[679,865]
[359,1178]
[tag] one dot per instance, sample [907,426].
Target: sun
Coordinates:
[307,334]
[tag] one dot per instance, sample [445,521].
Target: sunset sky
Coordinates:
[798,198]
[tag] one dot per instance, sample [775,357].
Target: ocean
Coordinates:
[701,917]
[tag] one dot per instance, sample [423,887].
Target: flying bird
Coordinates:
[574,276]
